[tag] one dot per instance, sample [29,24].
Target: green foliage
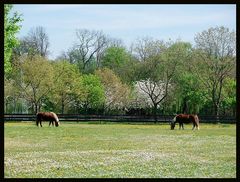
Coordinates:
[115,57]
[35,80]
[120,61]
[11,28]
[150,64]
[200,77]
[37,72]
[229,94]
[147,70]
[190,91]
[214,61]
[162,64]
[92,90]
[65,86]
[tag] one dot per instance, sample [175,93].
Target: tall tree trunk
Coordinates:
[6,106]
[185,108]
[216,112]
[62,110]
[35,108]
[39,107]
[155,113]
[32,108]
[14,105]
[234,111]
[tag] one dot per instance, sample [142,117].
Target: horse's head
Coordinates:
[57,123]
[55,118]
[173,123]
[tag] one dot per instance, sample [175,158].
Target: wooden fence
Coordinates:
[118,118]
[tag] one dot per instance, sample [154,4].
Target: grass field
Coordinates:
[82,150]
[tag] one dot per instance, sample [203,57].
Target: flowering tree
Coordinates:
[152,92]
[116,92]
[156,70]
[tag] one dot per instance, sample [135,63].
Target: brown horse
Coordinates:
[185,118]
[47,116]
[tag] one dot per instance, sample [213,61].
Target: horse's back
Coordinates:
[187,118]
[46,116]
[183,118]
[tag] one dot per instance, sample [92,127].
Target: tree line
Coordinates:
[100,75]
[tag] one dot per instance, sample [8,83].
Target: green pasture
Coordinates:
[118,150]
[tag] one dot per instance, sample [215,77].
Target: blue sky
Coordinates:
[126,22]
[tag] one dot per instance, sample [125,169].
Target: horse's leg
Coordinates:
[41,123]
[50,122]
[198,127]
[193,126]
[182,126]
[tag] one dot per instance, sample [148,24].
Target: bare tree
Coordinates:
[152,92]
[146,47]
[217,42]
[101,45]
[113,42]
[36,42]
[88,47]
[39,39]
[104,42]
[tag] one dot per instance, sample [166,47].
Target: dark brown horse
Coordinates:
[47,116]
[185,118]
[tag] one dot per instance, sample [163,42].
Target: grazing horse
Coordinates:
[47,116]
[185,118]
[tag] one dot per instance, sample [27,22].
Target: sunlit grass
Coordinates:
[79,150]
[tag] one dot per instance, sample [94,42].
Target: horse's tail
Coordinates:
[196,120]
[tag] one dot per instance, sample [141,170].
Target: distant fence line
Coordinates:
[118,118]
